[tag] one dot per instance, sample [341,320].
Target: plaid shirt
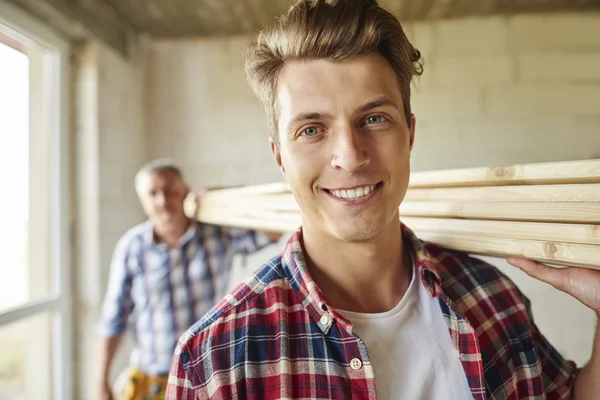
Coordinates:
[164,291]
[276,336]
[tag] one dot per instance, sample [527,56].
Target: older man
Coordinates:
[165,274]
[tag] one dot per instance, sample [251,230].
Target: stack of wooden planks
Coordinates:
[548,211]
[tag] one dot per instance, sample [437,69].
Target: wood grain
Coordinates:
[548,212]
[508,211]
[555,232]
[545,251]
[571,172]
[551,193]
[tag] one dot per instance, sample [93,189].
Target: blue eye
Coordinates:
[310,131]
[374,119]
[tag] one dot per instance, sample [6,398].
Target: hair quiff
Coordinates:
[333,29]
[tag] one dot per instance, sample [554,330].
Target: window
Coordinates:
[35,315]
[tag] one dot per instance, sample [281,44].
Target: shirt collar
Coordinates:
[148,234]
[313,300]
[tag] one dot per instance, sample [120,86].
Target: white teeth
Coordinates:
[353,194]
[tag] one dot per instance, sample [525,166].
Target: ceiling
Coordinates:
[116,21]
[180,18]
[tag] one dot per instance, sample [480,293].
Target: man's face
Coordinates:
[162,197]
[344,144]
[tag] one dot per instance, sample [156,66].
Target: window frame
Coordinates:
[55,88]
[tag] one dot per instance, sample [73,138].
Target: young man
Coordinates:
[165,274]
[357,306]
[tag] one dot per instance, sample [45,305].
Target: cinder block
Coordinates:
[237,46]
[472,70]
[559,67]
[111,180]
[473,142]
[562,31]
[422,36]
[542,100]
[233,86]
[477,36]
[447,103]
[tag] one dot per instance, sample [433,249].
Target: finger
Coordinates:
[557,277]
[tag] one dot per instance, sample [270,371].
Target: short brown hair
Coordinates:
[334,29]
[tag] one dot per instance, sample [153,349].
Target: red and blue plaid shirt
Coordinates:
[276,336]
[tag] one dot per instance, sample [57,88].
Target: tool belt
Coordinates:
[141,386]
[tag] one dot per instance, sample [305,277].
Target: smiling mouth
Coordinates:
[354,193]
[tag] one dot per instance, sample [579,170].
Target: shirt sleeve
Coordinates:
[248,241]
[117,304]
[179,386]
[558,373]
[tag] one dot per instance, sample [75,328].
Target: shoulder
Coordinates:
[481,292]
[513,351]
[244,312]
[132,238]
[236,325]
[260,291]
[210,231]
[462,274]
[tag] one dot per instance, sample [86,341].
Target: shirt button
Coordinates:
[324,320]
[355,364]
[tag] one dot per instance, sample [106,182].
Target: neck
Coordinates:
[171,232]
[367,277]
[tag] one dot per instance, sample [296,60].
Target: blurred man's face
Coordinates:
[162,197]
[345,144]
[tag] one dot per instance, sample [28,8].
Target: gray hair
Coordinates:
[158,166]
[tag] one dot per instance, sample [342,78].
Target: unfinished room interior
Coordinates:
[506,157]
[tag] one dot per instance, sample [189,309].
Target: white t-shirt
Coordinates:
[410,349]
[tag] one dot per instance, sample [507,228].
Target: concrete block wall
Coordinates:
[507,90]
[495,91]
[203,113]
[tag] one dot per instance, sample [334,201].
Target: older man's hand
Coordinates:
[191,204]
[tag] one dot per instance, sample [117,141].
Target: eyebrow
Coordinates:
[380,102]
[308,117]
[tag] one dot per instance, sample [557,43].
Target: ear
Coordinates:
[276,150]
[413,123]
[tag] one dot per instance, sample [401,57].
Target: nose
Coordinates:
[160,199]
[349,150]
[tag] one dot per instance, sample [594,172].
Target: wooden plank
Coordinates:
[587,171]
[582,255]
[252,222]
[277,195]
[557,212]
[549,251]
[556,232]
[551,193]
[212,213]
[509,211]
[253,190]
[283,202]
[249,217]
